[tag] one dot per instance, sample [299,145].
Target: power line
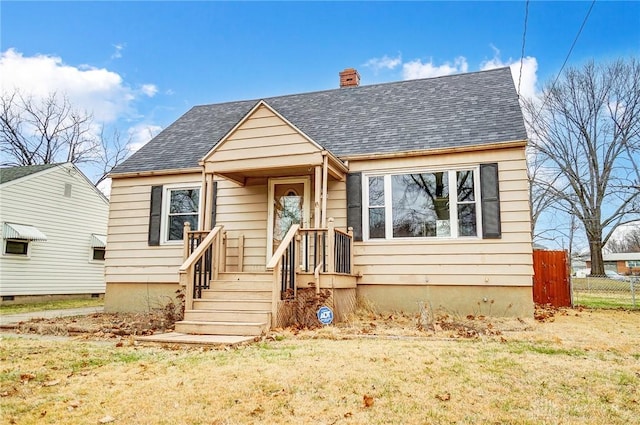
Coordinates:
[524,37]
[575,40]
[566,59]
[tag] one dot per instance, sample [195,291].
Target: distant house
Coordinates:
[625,263]
[409,195]
[54,226]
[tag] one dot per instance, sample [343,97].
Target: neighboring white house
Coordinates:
[54,226]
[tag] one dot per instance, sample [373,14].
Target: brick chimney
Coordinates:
[349,78]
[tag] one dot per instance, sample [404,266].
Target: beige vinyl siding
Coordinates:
[63,264]
[129,257]
[337,203]
[243,211]
[263,141]
[498,262]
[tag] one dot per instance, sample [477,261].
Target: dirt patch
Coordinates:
[100,325]
[363,324]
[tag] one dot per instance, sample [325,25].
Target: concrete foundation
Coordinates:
[139,297]
[454,300]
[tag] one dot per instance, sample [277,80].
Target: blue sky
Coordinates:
[170,56]
[138,66]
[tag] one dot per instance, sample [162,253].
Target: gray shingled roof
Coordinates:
[13,173]
[452,111]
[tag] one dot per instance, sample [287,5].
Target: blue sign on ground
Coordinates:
[325,315]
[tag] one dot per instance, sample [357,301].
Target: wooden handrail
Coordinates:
[341,231]
[197,253]
[201,265]
[275,258]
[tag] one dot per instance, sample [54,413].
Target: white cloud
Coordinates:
[384,62]
[95,90]
[417,69]
[140,134]
[529,77]
[149,90]
[117,54]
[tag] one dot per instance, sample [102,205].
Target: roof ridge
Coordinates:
[386,83]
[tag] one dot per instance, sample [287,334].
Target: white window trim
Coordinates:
[453,203]
[166,199]
[22,256]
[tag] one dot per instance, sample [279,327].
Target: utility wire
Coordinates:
[524,37]
[566,59]
[575,40]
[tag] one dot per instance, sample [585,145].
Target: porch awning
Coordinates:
[22,231]
[98,241]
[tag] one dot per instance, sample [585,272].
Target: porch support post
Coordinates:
[325,165]
[317,194]
[208,197]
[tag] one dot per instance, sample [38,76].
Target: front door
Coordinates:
[289,204]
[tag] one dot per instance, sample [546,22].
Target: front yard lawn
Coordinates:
[572,367]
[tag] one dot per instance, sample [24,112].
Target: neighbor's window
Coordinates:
[98,253]
[16,246]
[633,263]
[182,205]
[422,205]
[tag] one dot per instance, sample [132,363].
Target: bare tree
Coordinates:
[540,196]
[50,130]
[112,152]
[587,134]
[628,242]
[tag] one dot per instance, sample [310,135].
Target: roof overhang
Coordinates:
[22,231]
[153,173]
[336,169]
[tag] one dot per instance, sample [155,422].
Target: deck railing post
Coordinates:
[185,237]
[350,232]
[275,293]
[331,236]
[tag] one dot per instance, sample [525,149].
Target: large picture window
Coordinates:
[430,204]
[181,205]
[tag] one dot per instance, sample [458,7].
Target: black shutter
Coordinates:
[155,214]
[354,204]
[490,197]
[214,202]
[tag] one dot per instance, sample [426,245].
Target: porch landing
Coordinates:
[182,338]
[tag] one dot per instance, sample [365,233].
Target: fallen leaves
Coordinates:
[367,400]
[444,396]
[26,377]
[106,420]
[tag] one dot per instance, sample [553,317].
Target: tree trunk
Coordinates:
[597,263]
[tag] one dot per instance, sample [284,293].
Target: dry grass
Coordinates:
[574,367]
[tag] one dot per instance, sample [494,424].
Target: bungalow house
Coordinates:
[624,263]
[54,227]
[408,195]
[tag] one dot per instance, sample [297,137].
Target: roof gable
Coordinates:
[14,173]
[454,111]
[41,171]
[262,126]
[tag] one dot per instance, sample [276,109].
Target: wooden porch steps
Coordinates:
[235,304]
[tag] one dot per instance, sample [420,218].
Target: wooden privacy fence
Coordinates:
[551,284]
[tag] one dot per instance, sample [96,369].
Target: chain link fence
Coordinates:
[606,291]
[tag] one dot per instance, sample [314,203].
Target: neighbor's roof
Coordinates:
[621,256]
[13,173]
[453,111]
